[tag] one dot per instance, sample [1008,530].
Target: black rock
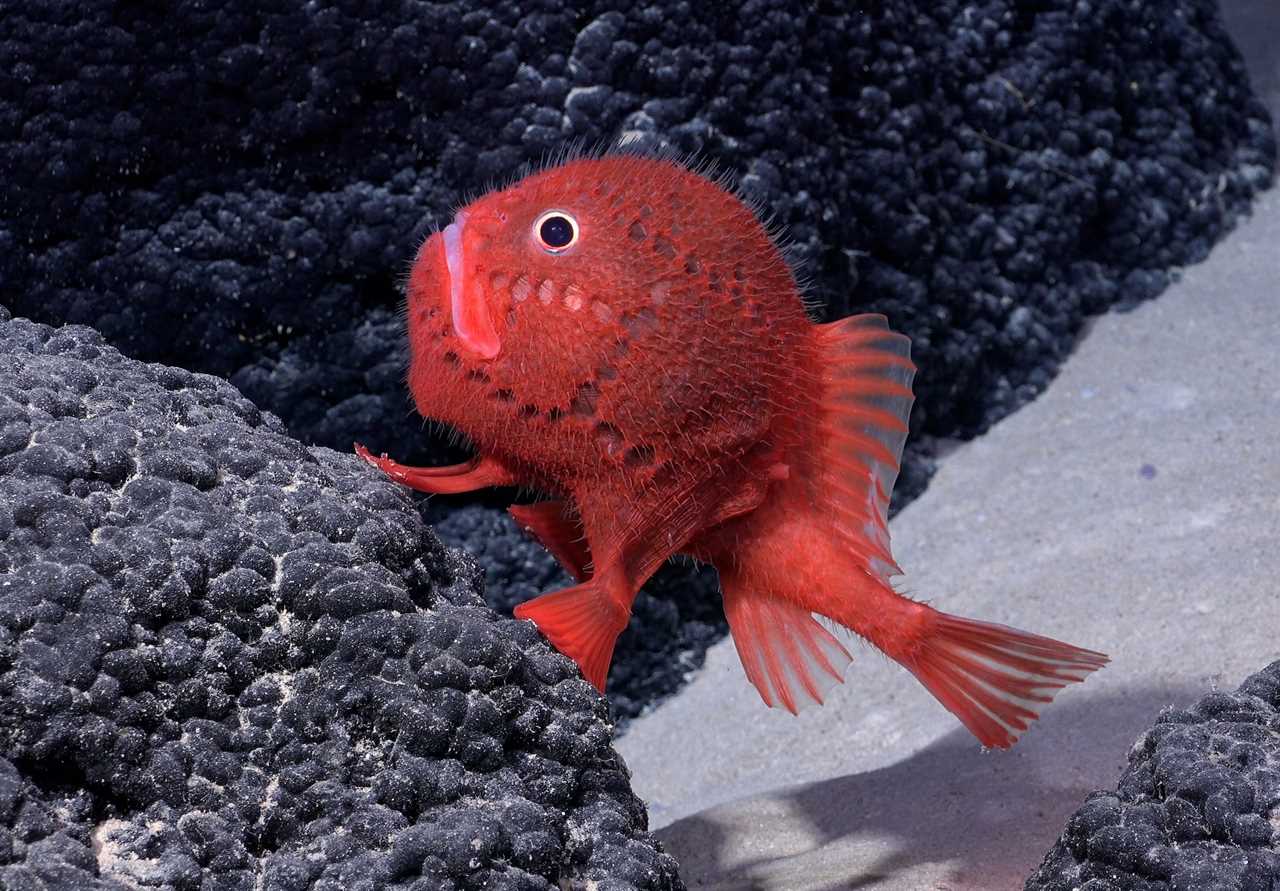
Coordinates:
[229,660]
[238,188]
[1197,809]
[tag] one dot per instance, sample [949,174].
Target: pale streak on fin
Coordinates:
[866,402]
[995,678]
[791,659]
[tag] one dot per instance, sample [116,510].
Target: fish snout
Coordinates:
[452,255]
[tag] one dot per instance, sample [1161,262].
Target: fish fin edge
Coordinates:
[864,411]
[583,623]
[790,658]
[558,529]
[995,678]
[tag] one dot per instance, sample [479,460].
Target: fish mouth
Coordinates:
[468,308]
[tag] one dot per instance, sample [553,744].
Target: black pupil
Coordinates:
[556,232]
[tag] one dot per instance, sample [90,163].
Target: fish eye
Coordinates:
[556,231]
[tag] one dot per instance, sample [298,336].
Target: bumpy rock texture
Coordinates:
[237,188]
[228,660]
[1198,808]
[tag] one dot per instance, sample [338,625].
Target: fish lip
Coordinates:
[472,321]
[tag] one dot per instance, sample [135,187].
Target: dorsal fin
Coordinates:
[866,401]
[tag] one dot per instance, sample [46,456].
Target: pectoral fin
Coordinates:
[478,473]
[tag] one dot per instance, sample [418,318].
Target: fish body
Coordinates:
[623,334]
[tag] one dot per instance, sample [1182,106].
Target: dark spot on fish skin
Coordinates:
[1147,471]
[555,414]
[739,273]
[717,283]
[622,347]
[451,359]
[606,372]
[639,456]
[584,402]
[512,318]
[528,411]
[692,265]
[640,322]
[646,210]
[637,231]
[663,247]
[663,475]
[478,376]
[609,437]
[503,395]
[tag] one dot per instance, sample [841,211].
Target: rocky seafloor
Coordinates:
[232,661]
[1197,809]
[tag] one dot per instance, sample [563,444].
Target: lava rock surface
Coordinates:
[1197,809]
[232,661]
[238,188]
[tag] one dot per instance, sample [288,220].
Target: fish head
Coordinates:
[579,285]
[540,252]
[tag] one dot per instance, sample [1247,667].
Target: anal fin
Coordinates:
[791,659]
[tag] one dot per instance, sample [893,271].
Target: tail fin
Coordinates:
[992,677]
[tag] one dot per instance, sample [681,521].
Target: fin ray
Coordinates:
[865,407]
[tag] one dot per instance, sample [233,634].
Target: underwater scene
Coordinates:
[547,446]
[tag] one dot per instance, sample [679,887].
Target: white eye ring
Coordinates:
[547,237]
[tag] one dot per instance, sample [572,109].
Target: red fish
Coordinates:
[623,334]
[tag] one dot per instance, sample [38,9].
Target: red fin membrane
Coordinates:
[583,622]
[560,531]
[995,678]
[866,403]
[791,659]
[452,479]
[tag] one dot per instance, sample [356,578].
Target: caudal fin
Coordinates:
[992,677]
